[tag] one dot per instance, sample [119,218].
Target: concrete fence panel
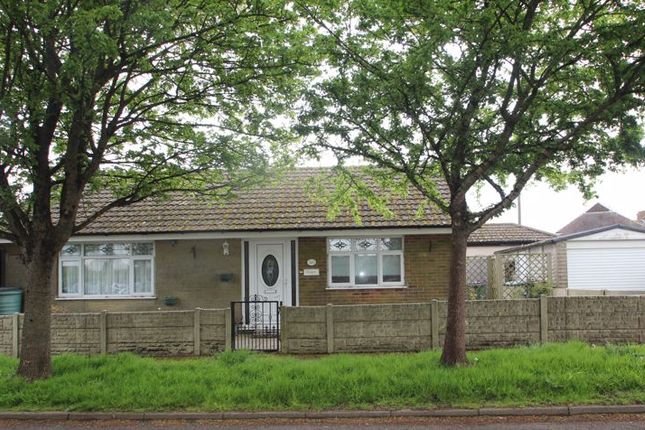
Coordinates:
[397,327]
[489,323]
[6,335]
[347,328]
[213,331]
[304,329]
[151,333]
[163,333]
[78,333]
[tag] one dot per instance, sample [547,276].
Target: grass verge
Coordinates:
[571,373]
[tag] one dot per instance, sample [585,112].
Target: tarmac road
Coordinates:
[582,422]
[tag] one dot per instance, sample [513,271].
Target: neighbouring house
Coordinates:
[494,237]
[600,252]
[596,217]
[273,242]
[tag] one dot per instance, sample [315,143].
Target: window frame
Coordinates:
[77,263]
[80,260]
[352,252]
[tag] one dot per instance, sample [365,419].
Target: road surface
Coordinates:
[589,422]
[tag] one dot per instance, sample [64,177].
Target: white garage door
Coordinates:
[606,268]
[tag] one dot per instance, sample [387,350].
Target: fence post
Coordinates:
[434,322]
[284,341]
[549,269]
[228,328]
[544,319]
[103,332]
[494,278]
[15,338]
[197,332]
[330,328]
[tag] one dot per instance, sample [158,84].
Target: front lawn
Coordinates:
[572,373]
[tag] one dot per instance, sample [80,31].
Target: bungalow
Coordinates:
[272,242]
[494,237]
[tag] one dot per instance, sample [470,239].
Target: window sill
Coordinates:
[367,287]
[106,298]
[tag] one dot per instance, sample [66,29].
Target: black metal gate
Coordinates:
[255,325]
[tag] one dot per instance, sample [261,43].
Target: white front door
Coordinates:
[270,270]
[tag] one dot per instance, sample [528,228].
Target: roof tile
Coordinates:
[507,233]
[596,217]
[284,204]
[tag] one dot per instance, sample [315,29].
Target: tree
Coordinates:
[479,93]
[134,99]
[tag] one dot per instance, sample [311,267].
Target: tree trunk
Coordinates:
[35,356]
[454,348]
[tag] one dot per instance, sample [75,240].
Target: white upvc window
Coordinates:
[106,270]
[365,262]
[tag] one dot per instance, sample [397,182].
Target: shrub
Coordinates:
[538,289]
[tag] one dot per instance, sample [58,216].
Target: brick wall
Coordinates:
[167,333]
[490,323]
[426,266]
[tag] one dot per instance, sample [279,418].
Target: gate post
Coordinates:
[284,342]
[228,328]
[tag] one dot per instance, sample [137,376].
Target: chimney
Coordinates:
[640,217]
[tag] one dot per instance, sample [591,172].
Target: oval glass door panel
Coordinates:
[270,270]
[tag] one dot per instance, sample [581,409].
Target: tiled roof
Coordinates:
[285,204]
[563,238]
[596,217]
[506,234]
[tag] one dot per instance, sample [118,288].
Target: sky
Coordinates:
[549,210]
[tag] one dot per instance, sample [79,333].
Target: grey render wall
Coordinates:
[166,333]
[189,270]
[490,323]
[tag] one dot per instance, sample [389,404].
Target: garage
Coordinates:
[612,260]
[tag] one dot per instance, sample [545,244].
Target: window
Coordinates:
[365,262]
[102,270]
